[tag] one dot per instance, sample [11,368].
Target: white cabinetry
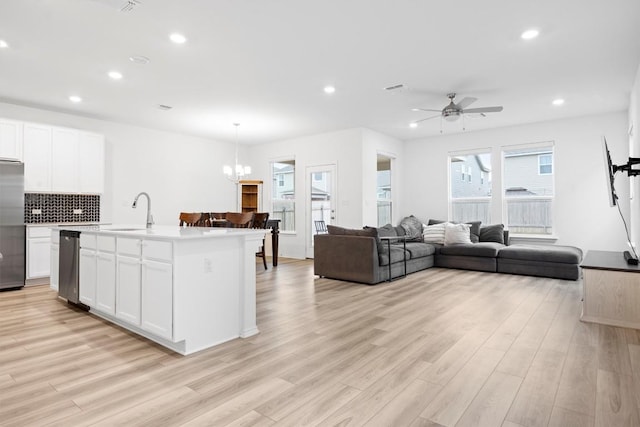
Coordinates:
[62,160]
[87,271]
[144,284]
[91,163]
[157,298]
[38,252]
[106,272]
[10,140]
[37,158]
[55,259]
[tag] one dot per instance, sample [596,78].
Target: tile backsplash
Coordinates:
[45,208]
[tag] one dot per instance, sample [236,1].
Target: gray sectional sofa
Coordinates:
[373,255]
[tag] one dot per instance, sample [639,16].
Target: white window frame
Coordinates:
[294,199]
[536,146]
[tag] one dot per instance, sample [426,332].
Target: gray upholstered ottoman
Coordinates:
[560,262]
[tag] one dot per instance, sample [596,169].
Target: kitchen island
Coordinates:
[187,289]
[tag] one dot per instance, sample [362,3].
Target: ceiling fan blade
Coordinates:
[428,118]
[465,102]
[426,109]
[483,110]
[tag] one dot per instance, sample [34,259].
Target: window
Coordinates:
[469,201]
[383,190]
[283,195]
[545,164]
[529,189]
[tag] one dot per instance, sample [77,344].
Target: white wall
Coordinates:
[180,173]
[634,126]
[582,216]
[342,148]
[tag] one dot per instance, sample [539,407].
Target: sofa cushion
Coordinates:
[474,231]
[397,255]
[455,234]
[419,250]
[387,230]
[542,253]
[434,233]
[412,228]
[482,249]
[492,233]
[365,232]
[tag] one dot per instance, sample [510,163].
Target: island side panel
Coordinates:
[207,287]
[248,293]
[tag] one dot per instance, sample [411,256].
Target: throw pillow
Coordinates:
[455,234]
[492,233]
[387,230]
[372,232]
[334,229]
[474,231]
[412,228]
[434,233]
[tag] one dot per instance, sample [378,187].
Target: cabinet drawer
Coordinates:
[130,247]
[87,241]
[38,232]
[157,249]
[106,243]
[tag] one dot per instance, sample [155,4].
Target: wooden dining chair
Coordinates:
[239,219]
[205,220]
[260,221]
[189,219]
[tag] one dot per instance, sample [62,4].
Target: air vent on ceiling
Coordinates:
[397,87]
[128,5]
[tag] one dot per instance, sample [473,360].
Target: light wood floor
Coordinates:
[440,347]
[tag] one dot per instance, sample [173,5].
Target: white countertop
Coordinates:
[165,232]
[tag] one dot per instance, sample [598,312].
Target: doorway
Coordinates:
[320,200]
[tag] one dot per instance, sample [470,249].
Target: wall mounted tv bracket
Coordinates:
[628,168]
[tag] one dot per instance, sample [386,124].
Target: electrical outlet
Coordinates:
[36,211]
[77,211]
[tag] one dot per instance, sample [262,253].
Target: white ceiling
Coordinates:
[264,63]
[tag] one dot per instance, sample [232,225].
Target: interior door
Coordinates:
[321,197]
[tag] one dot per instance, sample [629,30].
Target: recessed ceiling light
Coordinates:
[558,101]
[530,34]
[139,59]
[115,75]
[413,125]
[75,98]
[177,38]
[3,44]
[329,89]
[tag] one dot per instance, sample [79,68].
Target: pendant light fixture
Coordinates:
[237,172]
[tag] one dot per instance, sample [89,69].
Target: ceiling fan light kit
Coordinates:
[452,112]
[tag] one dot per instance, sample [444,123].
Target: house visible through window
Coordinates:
[283,199]
[468,200]
[529,189]
[545,164]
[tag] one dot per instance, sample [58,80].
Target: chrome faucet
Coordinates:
[149,216]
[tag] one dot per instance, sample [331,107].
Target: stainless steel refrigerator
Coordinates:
[12,228]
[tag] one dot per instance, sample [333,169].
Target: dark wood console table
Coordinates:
[611,290]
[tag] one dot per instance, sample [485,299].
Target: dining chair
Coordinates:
[190,219]
[217,219]
[321,227]
[260,221]
[205,220]
[239,219]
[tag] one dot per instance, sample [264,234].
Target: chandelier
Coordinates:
[237,172]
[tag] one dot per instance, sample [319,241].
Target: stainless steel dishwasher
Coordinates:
[69,266]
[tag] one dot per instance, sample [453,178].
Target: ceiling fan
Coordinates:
[453,111]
